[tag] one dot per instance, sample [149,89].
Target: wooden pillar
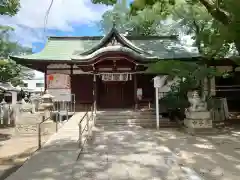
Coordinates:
[71,74]
[135,91]
[45,78]
[94,90]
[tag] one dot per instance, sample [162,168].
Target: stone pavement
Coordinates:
[113,153]
[134,153]
[131,153]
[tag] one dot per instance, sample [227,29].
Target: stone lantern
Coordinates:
[47,104]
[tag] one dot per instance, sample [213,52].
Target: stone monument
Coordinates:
[198,117]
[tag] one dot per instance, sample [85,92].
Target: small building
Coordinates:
[108,71]
[8,92]
[35,86]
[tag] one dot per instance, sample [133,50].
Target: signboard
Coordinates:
[61,94]
[58,81]
[116,77]
[157,82]
[139,93]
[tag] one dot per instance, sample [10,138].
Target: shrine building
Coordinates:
[108,71]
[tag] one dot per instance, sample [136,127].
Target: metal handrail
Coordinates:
[86,127]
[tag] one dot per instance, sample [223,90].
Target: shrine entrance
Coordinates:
[115,93]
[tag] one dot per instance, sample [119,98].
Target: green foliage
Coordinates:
[10,71]
[9,7]
[145,22]
[190,76]
[107,2]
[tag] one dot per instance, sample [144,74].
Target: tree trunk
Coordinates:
[216,12]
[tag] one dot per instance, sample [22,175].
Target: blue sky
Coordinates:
[66,18]
[78,30]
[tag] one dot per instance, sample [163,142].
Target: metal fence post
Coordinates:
[80,135]
[67,111]
[1,114]
[88,128]
[39,136]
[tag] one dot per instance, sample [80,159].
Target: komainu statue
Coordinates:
[197,103]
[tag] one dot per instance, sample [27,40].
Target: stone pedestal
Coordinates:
[198,121]
[48,127]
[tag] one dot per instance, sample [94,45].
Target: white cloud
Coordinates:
[29,21]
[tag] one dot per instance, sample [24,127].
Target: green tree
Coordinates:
[9,70]
[145,22]
[225,13]
[210,36]
[9,7]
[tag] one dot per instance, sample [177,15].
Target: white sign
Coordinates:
[139,93]
[157,82]
[61,94]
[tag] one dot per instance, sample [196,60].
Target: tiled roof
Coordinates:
[69,48]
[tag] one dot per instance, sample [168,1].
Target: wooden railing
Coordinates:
[85,126]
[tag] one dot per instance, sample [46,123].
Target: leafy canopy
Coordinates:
[9,7]
[9,70]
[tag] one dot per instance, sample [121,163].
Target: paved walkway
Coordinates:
[119,153]
[56,159]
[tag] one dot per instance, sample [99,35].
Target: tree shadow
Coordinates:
[121,152]
[159,154]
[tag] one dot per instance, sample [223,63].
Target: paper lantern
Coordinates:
[50,77]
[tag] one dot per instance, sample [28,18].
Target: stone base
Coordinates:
[198,123]
[202,131]
[198,114]
[48,127]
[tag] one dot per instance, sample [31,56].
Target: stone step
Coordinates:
[124,113]
[125,117]
[124,120]
[143,124]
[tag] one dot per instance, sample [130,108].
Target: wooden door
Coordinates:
[115,94]
[111,95]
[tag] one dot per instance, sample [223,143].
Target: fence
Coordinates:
[85,125]
[7,115]
[65,105]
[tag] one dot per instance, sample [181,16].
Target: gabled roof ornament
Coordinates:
[114,21]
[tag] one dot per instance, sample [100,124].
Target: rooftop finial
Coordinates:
[114,19]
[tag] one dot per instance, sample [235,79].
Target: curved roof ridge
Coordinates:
[116,48]
[119,37]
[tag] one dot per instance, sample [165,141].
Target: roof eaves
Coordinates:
[110,49]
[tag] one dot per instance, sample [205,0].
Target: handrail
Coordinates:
[87,126]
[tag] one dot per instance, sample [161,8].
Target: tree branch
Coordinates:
[217,13]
